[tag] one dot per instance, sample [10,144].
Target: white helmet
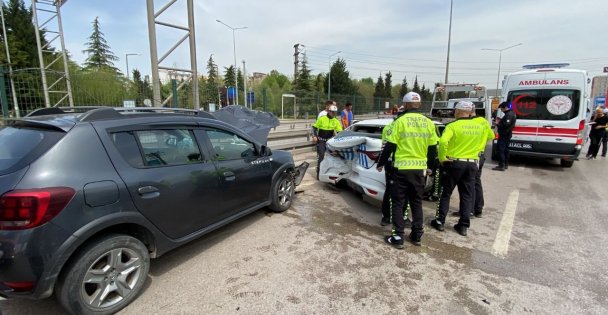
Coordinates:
[333,108]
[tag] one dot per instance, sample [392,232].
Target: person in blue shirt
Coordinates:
[346,115]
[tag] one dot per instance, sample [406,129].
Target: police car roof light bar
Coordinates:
[546,65]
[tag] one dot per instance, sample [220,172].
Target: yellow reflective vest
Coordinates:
[412,133]
[461,139]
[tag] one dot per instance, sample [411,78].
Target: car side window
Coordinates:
[158,147]
[229,146]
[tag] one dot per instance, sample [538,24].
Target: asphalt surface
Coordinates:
[539,248]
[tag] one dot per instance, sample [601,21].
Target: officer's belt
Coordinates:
[465,160]
[322,139]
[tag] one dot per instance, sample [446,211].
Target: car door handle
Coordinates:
[229,176]
[548,126]
[148,192]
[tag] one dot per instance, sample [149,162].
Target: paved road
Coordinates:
[540,248]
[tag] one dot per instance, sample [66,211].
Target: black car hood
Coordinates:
[255,123]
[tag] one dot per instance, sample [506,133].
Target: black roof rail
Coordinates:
[45,111]
[166,110]
[100,113]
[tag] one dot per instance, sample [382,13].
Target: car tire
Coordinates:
[566,163]
[117,264]
[282,193]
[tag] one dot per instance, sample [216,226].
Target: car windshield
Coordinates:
[545,104]
[19,146]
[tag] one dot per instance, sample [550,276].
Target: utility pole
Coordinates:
[245,83]
[296,62]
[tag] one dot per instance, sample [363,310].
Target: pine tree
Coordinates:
[302,81]
[100,55]
[239,78]
[379,91]
[404,88]
[388,85]
[416,87]
[229,76]
[210,87]
[340,78]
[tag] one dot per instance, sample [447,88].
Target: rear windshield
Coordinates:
[19,146]
[545,104]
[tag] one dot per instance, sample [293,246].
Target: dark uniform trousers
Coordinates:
[407,186]
[461,174]
[478,208]
[321,148]
[503,148]
[386,199]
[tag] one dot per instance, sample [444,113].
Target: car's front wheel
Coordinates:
[282,193]
[105,276]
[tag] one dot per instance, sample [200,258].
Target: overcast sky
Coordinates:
[407,37]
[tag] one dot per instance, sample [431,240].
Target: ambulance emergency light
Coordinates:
[546,65]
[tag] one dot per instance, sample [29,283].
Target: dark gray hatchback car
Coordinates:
[87,198]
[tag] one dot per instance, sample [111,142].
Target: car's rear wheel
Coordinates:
[282,193]
[105,276]
[566,163]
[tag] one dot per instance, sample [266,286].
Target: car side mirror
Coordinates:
[265,151]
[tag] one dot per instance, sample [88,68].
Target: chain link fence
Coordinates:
[99,88]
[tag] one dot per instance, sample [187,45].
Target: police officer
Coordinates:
[323,129]
[409,139]
[459,155]
[505,131]
[483,141]
[388,170]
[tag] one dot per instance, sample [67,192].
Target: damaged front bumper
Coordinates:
[299,172]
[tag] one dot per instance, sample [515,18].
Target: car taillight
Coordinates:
[26,209]
[496,136]
[581,128]
[372,155]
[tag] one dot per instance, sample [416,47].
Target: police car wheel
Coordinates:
[566,163]
[282,193]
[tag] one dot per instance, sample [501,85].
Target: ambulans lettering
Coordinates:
[544,82]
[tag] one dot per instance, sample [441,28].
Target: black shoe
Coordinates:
[437,225]
[395,240]
[477,214]
[462,230]
[407,223]
[385,222]
[498,168]
[414,240]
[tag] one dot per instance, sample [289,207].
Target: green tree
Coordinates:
[302,80]
[209,88]
[229,76]
[388,85]
[98,50]
[138,87]
[404,88]
[340,78]
[379,91]
[416,87]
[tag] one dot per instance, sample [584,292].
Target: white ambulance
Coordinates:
[553,109]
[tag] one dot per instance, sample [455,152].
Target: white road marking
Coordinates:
[503,235]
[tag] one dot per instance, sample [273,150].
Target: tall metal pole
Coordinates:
[329,74]
[195,96]
[47,101]
[10,67]
[447,63]
[156,100]
[234,51]
[244,83]
[500,61]
[65,57]
[127,60]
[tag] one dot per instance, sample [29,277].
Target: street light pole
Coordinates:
[329,74]
[500,61]
[127,60]
[234,51]
[447,62]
